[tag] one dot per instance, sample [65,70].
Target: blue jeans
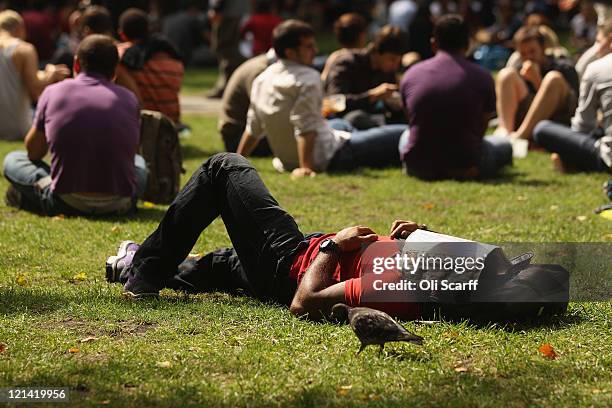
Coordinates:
[575,149]
[496,153]
[32,180]
[375,147]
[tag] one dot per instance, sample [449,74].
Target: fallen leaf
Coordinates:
[344,390]
[2,348]
[451,334]
[608,236]
[22,279]
[554,207]
[581,218]
[115,229]
[548,351]
[428,206]
[79,276]
[164,364]
[73,350]
[58,217]
[463,366]
[148,204]
[88,339]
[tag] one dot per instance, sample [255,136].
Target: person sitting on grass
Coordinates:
[449,101]
[368,79]
[271,259]
[150,66]
[91,127]
[587,145]
[20,80]
[543,88]
[236,101]
[350,31]
[286,102]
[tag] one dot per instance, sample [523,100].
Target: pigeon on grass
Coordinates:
[373,326]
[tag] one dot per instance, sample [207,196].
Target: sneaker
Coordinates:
[115,265]
[136,288]
[12,197]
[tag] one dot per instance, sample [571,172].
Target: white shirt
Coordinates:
[596,95]
[286,102]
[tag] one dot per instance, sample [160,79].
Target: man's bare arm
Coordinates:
[36,144]
[35,81]
[305,146]
[317,292]
[247,144]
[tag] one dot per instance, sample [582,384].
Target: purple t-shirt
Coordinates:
[446,97]
[92,127]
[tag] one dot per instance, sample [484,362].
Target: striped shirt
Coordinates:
[159,82]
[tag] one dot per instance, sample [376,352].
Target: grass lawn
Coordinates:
[218,350]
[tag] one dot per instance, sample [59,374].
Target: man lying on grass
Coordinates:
[271,260]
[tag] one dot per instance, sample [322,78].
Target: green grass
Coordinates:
[219,350]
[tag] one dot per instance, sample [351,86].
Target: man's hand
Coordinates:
[382,91]
[530,71]
[401,229]
[351,239]
[303,172]
[56,73]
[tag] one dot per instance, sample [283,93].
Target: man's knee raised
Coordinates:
[507,74]
[226,159]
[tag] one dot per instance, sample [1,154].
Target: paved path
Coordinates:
[200,104]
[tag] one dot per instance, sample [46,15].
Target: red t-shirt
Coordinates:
[350,269]
[261,25]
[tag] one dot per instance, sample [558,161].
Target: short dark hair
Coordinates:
[391,39]
[97,19]
[288,35]
[134,23]
[452,33]
[348,27]
[98,53]
[528,33]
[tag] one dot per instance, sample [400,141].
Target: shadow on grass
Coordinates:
[194,152]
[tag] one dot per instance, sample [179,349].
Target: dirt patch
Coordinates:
[119,329]
[127,328]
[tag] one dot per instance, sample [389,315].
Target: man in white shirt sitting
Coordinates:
[286,102]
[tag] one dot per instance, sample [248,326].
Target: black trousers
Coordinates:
[264,236]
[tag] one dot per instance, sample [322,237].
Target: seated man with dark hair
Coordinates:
[368,79]
[542,88]
[91,127]
[286,102]
[93,20]
[350,30]
[449,101]
[150,66]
